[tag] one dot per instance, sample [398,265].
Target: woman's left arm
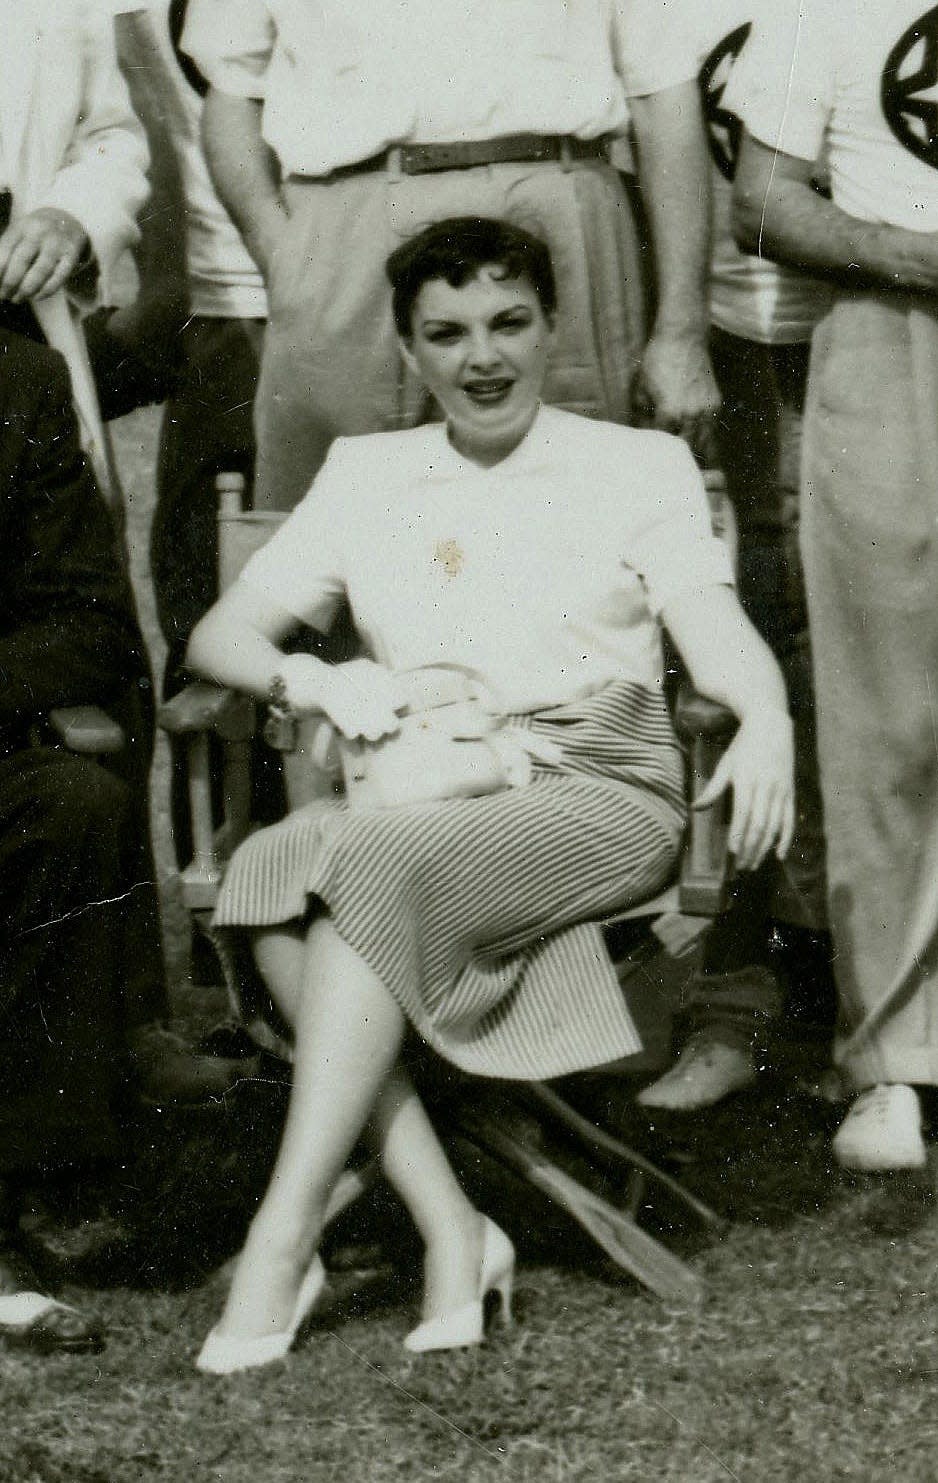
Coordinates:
[728,661]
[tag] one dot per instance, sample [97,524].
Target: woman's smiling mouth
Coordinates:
[489,390]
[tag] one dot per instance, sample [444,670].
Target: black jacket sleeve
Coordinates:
[68,633]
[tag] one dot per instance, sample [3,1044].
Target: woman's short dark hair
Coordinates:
[456,250]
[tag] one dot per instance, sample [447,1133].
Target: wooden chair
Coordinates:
[202,711]
[83,729]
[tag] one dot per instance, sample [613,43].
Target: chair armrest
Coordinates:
[197,714]
[706,728]
[204,707]
[86,729]
[697,716]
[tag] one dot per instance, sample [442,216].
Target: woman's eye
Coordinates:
[446,335]
[513,324]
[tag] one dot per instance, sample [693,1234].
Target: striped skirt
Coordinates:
[479,914]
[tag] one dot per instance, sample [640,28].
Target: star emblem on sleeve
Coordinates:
[724,129]
[909,89]
[177,23]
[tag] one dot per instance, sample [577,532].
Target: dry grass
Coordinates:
[813,1355]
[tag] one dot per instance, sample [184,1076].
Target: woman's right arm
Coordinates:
[237,644]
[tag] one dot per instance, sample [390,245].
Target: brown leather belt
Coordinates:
[425,159]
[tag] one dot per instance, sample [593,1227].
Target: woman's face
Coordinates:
[482,351]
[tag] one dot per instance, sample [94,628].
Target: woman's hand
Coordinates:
[759,767]
[360,698]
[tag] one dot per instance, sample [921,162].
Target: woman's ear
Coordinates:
[407,351]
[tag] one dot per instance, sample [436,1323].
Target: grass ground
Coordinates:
[812,1357]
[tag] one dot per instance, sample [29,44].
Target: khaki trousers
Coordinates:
[331,364]
[870,548]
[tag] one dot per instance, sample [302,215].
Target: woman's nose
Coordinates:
[483,350]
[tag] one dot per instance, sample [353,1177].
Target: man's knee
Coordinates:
[81,807]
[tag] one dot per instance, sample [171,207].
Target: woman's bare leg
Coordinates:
[412,1157]
[281,953]
[348,1033]
[415,1163]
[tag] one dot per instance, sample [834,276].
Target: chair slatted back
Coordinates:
[240,532]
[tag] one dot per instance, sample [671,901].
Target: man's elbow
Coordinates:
[672,116]
[223,112]
[748,219]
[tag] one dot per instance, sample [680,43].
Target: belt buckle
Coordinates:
[546,149]
[425,159]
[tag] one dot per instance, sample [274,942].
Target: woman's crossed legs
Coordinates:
[347,1033]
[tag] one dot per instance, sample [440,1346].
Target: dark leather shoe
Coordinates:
[30,1319]
[169,1071]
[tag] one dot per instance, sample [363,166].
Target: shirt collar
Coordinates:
[445,462]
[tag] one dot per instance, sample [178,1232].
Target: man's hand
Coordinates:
[38,254]
[675,389]
[759,767]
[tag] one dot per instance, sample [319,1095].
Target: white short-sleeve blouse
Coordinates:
[543,575]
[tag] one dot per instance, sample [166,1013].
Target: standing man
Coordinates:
[335,131]
[762,317]
[197,323]
[862,80]
[192,337]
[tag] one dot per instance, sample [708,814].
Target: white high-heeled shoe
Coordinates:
[223,1354]
[465,1326]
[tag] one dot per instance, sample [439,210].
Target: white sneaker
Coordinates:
[882,1131]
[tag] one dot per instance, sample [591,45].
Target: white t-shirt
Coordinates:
[224,280]
[749,295]
[860,79]
[542,575]
[342,81]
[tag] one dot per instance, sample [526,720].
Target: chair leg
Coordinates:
[616,1233]
[614,1151]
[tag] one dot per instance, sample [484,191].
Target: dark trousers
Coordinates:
[207,429]
[66,878]
[145,985]
[763,389]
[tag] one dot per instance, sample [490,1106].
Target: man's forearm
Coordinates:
[244,170]
[778,214]
[674,173]
[161,253]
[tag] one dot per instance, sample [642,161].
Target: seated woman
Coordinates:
[541,552]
